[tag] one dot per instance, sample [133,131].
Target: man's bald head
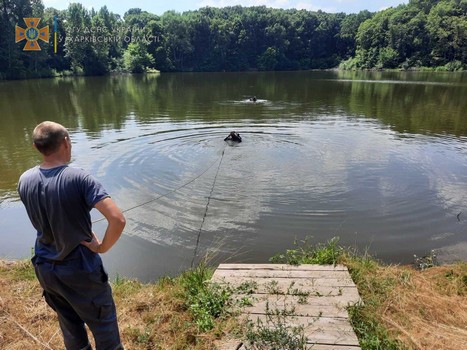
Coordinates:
[47,137]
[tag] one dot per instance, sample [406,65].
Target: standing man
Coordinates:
[58,200]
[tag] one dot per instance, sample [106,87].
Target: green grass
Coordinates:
[23,270]
[370,333]
[307,253]
[205,300]
[274,334]
[364,271]
[374,289]
[188,312]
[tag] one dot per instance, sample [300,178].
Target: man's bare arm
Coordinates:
[116,223]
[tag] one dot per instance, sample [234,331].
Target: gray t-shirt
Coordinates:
[58,202]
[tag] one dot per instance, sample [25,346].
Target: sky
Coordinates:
[158,7]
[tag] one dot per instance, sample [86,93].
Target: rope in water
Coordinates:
[174,190]
[206,209]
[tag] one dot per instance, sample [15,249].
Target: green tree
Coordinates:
[56,60]
[269,59]
[108,26]
[136,58]
[373,35]
[14,62]
[177,39]
[89,39]
[348,32]
[447,27]
[421,33]
[78,24]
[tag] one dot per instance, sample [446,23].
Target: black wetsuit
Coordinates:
[234,137]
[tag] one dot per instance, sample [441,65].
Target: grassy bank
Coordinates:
[403,308]
[174,313]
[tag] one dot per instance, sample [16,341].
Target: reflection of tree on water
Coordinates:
[409,107]
[322,153]
[95,104]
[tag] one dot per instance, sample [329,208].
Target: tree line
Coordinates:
[422,33]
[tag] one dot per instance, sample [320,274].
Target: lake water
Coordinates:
[378,159]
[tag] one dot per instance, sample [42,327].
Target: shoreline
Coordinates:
[68,74]
[403,308]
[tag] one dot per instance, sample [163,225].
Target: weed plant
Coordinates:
[274,333]
[364,271]
[207,301]
[403,308]
[307,253]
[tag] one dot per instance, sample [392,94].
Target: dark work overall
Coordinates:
[77,289]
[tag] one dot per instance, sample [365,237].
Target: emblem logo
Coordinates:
[32,34]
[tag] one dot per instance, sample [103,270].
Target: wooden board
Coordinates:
[311,297]
[295,305]
[317,330]
[282,267]
[320,287]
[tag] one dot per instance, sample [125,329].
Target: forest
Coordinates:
[423,34]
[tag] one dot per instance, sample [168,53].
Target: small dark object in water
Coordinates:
[233,136]
[253,98]
[458,216]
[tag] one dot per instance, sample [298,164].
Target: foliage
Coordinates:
[90,55]
[421,309]
[425,33]
[372,335]
[373,287]
[274,334]
[405,304]
[422,33]
[306,253]
[136,59]
[19,270]
[205,300]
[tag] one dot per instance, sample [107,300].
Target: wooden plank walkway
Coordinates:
[312,297]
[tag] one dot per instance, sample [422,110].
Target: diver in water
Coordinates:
[253,99]
[233,136]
